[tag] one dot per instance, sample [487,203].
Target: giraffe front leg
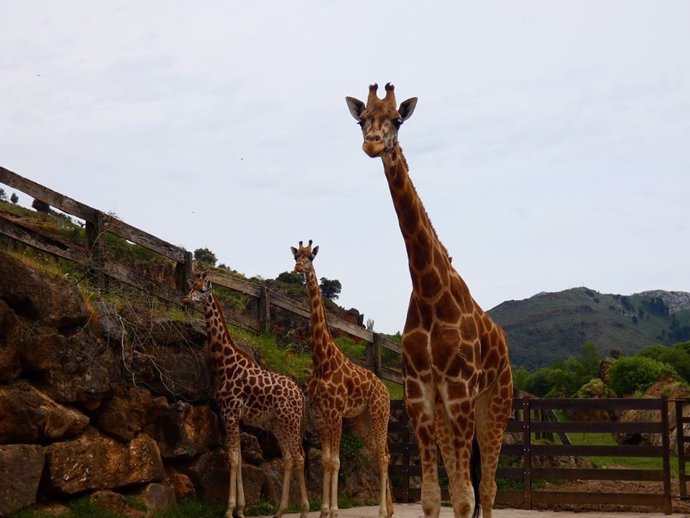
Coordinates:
[335,467]
[326,465]
[422,420]
[233,445]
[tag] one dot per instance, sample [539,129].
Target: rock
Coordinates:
[36,296]
[211,476]
[158,497]
[102,463]
[273,471]
[21,467]
[181,483]
[10,366]
[183,430]
[109,501]
[181,373]
[40,346]
[251,449]
[30,416]
[83,371]
[668,386]
[126,413]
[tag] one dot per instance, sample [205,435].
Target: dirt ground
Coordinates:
[415,511]
[681,508]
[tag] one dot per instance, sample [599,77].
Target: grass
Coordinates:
[606,439]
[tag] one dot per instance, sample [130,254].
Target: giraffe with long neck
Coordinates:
[456,370]
[248,393]
[341,389]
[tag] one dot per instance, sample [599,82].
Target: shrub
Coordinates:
[634,374]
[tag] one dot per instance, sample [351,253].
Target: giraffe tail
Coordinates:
[476,474]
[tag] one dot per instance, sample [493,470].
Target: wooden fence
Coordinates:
[526,463]
[91,254]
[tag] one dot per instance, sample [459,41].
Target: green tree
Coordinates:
[588,362]
[520,377]
[40,206]
[635,373]
[330,288]
[14,198]
[205,256]
[676,356]
[3,194]
[291,278]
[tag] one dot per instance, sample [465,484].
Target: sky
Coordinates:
[550,144]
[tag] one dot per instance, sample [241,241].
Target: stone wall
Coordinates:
[105,400]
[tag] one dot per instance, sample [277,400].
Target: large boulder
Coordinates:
[210,474]
[21,466]
[668,386]
[158,497]
[183,430]
[126,413]
[103,463]
[52,300]
[82,372]
[29,416]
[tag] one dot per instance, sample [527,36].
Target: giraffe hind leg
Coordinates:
[492,413]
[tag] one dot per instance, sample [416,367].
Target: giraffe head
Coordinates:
[380,119]
[200,289]
[304,255]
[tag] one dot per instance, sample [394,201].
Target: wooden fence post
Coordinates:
[665,443]
[95,246]
[264,310]
[373,355]
[183,272]
[527,451]
[680,443]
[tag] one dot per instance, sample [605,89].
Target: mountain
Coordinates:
[554,326]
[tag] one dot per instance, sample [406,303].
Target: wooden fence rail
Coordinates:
[523,457]
[92,255]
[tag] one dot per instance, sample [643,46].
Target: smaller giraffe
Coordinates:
[250,394]
[339,388]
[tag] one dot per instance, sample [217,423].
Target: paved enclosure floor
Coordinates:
[415,511]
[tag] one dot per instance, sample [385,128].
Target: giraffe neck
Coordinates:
[223,351]
[424,249]
[322,342]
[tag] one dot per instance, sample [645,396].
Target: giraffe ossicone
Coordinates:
[339,389]
[456,370]
[248,393]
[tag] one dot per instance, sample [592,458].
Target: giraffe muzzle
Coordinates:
[373,148]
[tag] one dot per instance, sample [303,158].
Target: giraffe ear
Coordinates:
[314,251]
[406,108]
[356,107]
[294,252]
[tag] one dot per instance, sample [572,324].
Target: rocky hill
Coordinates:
[554,326]
[111,398]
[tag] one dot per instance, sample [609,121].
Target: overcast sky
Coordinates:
[550,144]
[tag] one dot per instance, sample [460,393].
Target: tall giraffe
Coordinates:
[250,394]
[457,377]
[339,388]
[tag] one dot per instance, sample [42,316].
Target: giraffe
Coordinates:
[456,370]
[248,393]
[341,389]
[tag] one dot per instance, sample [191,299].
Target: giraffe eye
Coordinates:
[397,123]
[361,123]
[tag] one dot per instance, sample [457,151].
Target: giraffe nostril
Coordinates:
[373,138]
